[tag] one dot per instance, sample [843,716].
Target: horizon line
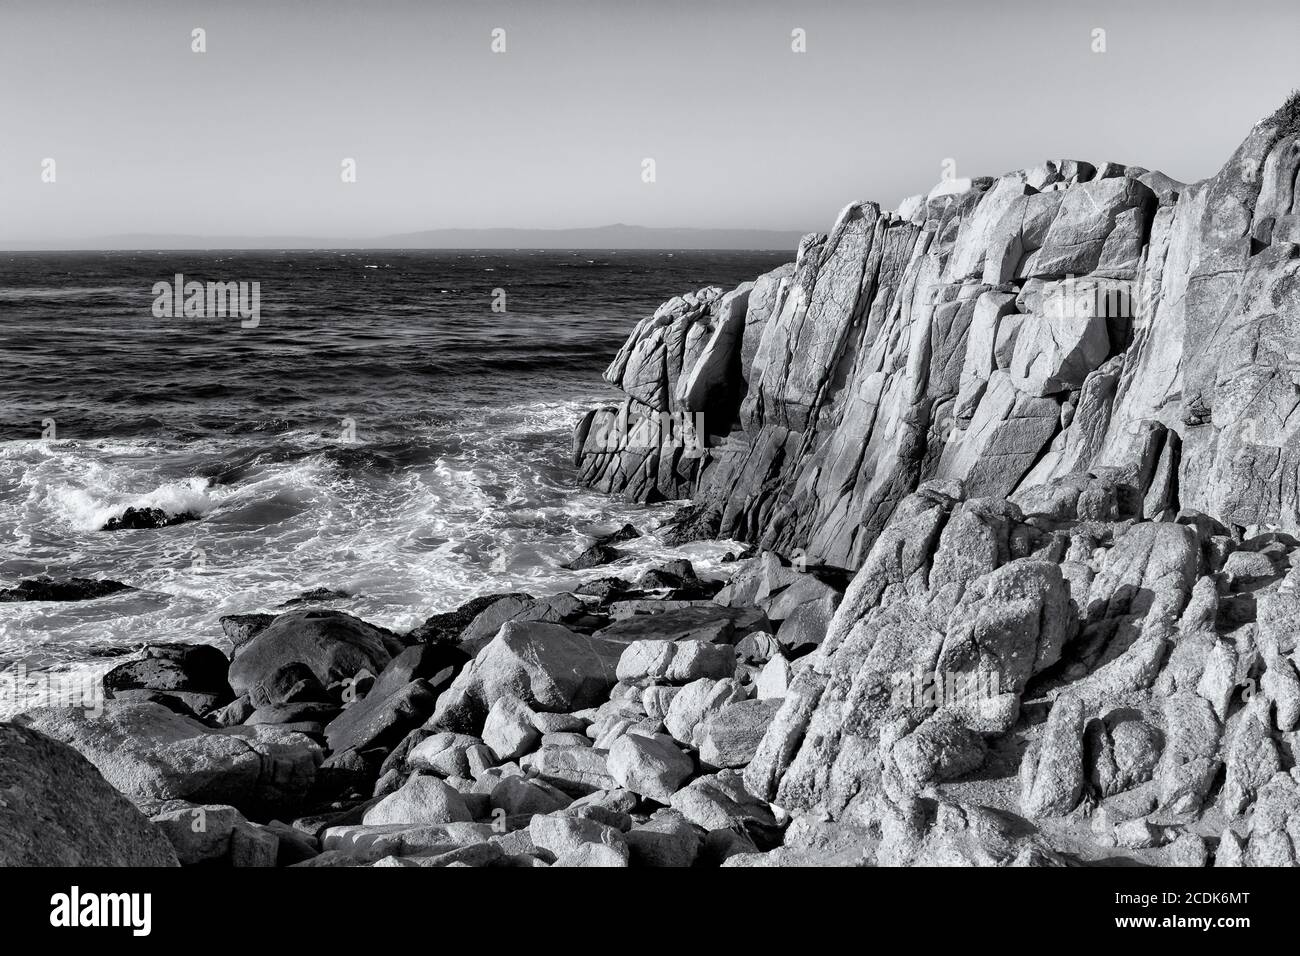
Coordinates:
[492,237]
[667,249]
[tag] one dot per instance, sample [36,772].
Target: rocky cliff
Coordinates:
[1049,421]
[1016,334]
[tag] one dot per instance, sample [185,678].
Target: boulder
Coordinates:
[360,843]
[381,719]
[293,683]
[446,627]
[510,729]
[519,609]
[649,765]
[575,770]
[444,754]
[148,751]
[547,666]
[575,841]
[666,839]
[720,801]
[334,646]
[520,796]
[421,801]
[194,674]
[806,625]
[56,809]
[695,703]
[676,662]
[730,736]
[399,700]
[214,834]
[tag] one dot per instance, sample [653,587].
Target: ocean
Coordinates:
[381,431]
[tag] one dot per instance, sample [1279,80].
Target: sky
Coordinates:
[248,137]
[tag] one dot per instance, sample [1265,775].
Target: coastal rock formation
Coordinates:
[992,689]
[1047,420]
[1018,466]
[1056,320]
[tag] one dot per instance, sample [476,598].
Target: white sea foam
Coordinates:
[492,509]
[83,509]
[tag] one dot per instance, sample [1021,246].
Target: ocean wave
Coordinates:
[461,481]
[84,509]
[492,508]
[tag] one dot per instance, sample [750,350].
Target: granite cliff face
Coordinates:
[1016,334]
[1049,420]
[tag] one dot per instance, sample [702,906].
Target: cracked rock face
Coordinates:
[1090,683]
[1043,324]
[1049,421]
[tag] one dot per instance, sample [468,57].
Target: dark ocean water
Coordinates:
[458,481]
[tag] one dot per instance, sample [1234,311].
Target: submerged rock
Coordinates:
[141,518]
[593,557]
[316,596]
[71,589]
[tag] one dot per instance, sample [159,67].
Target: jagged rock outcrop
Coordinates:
[1003,332]
[1048,419]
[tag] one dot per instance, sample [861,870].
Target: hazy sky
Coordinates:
[248,137]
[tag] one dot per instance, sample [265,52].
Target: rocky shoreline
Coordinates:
[609,726]
[1018,464]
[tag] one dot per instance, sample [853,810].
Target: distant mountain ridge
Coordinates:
[615,236]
